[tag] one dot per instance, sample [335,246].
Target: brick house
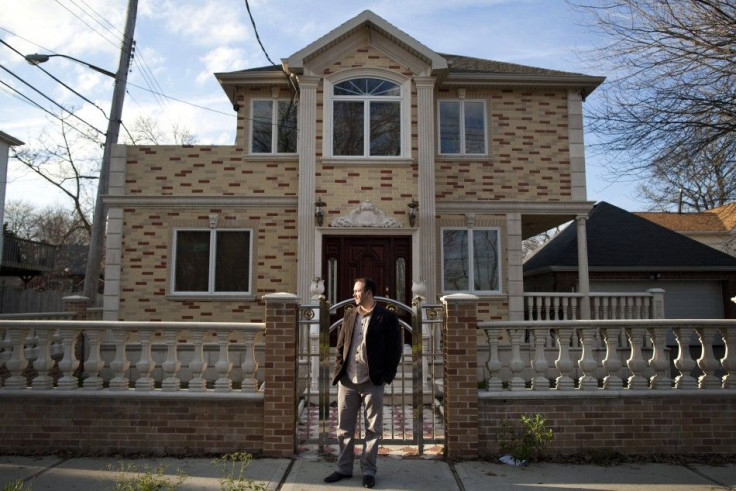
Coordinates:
[365,153]
[715,227]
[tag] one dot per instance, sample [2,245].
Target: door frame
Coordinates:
[321,232]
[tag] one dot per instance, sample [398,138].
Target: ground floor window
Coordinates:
[470,260]
[212,261]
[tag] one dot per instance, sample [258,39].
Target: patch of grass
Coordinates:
[232,467]
[17,485]
[149,479]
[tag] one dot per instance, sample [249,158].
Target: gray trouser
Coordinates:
[349,397]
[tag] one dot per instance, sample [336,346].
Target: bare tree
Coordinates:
[670,103]
[146,131]
[69,161]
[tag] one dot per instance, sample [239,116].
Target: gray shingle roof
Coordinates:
[618,239]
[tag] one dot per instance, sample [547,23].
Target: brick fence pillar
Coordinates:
[460,375]
[76,304]
[280,372]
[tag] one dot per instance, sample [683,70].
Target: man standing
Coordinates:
[368,352]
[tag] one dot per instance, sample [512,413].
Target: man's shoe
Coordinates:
[336,476]
[369,481]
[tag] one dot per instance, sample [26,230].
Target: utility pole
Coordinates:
[99,219]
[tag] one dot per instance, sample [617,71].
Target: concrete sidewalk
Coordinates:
[54,473]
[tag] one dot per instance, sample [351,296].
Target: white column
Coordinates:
[114,241]
[307,141]
[426,185]
[583,277]
[515,270]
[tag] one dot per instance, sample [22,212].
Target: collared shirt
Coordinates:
[357,361]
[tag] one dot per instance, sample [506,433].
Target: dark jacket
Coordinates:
[383,344]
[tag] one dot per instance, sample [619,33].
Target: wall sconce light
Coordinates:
[413,212]
[319,212]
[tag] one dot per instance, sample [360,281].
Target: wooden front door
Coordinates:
[385,259]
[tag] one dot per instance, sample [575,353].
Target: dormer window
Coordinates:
[367,115]
[274,126]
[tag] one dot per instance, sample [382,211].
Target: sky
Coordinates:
[180,44]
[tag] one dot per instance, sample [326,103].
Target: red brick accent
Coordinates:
[111,424]
[632,424]
[280,371]
[460,378]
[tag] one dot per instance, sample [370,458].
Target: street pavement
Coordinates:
[394,473]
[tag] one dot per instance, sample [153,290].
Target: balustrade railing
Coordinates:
[547,306]
[122,356]
[610,355]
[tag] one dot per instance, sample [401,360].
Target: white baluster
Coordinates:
[145,363]
[539,363]
[587,362]
[529,300]
[646,308]
[729,357]
[659,362]
[636,362]
[517,364]
[615,307]
[707,361]
[545,308]
[612,362]
[17,363]
[30,350]
[94,362]
[493,364]
[574,308]
[629,308]
[565,308]
[198,365]
[223,365]
[605,312]
[171,366]
[69,362]
[556,308]
[249,365]
[684,362]
[595,314]
[44,363]
[120,364]
[564,363]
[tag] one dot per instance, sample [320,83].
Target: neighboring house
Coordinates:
[627,253]
[715,228]
[365,153]
[6,141]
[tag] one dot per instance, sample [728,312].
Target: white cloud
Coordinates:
[222,59]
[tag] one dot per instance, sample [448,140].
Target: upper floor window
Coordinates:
[366,118]
[212,261]
[273,126]
[471,260]
[462,127]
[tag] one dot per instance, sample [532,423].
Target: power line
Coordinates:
[255,30]
[56,79]
[24,98]
[51,100]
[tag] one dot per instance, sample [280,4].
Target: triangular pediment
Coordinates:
[365,25]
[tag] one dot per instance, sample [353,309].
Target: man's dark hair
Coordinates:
[368,285]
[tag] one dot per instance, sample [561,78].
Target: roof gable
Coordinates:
[721,219]
[618,239]
[370,20]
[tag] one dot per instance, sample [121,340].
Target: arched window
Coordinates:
[366,118]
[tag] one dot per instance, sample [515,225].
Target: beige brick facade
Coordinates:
[529,165]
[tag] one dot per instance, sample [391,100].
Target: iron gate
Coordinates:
[412,407]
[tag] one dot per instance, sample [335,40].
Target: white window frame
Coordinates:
[274,125]
[212,262]
[405,101]
[462,103]
[471,265]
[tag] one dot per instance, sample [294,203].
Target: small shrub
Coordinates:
[130,479]
[232,467]
[525,439]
